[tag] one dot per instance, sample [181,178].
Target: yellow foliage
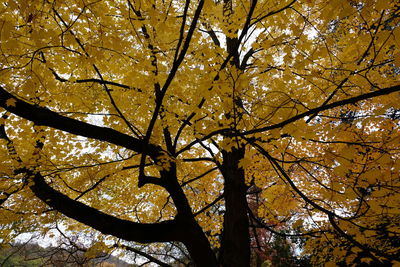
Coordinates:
[152,110]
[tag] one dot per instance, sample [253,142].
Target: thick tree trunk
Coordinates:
[193,237]
[235,243]
[199,249]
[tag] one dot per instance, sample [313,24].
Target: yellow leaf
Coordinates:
[366,260]
[244,163]
[298,223]
[11,102]
[373,176]
[397,60]
[380,5]
[330,264]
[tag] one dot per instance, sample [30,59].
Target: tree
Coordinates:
[160,121]
[33,255]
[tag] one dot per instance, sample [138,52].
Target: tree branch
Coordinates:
[131,231]
[273,13]
[46,117]
[174,69]
[209,205]
[310,112]
[143,254]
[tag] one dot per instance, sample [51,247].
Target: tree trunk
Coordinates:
[235,244]
[200,251]
[193,237]
[197,242]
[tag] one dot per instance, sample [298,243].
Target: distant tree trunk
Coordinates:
[235,243]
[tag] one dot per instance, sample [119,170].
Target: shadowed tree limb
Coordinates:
[46,117]
[143,254]
[165,231]
[351,100]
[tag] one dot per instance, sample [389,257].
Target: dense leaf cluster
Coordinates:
[203,129]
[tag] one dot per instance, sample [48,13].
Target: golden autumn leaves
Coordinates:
[305,88]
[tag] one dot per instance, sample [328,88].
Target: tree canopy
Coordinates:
[208,123]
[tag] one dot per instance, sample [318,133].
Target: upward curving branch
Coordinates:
[323,107]
[46,117]
[351,100]
[131,231]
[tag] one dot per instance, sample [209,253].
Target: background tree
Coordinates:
[33,255]
[152,121]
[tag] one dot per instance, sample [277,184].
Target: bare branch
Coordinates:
[143,254]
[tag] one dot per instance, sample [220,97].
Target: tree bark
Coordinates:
[194,238]
[235,244]
[199,248]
